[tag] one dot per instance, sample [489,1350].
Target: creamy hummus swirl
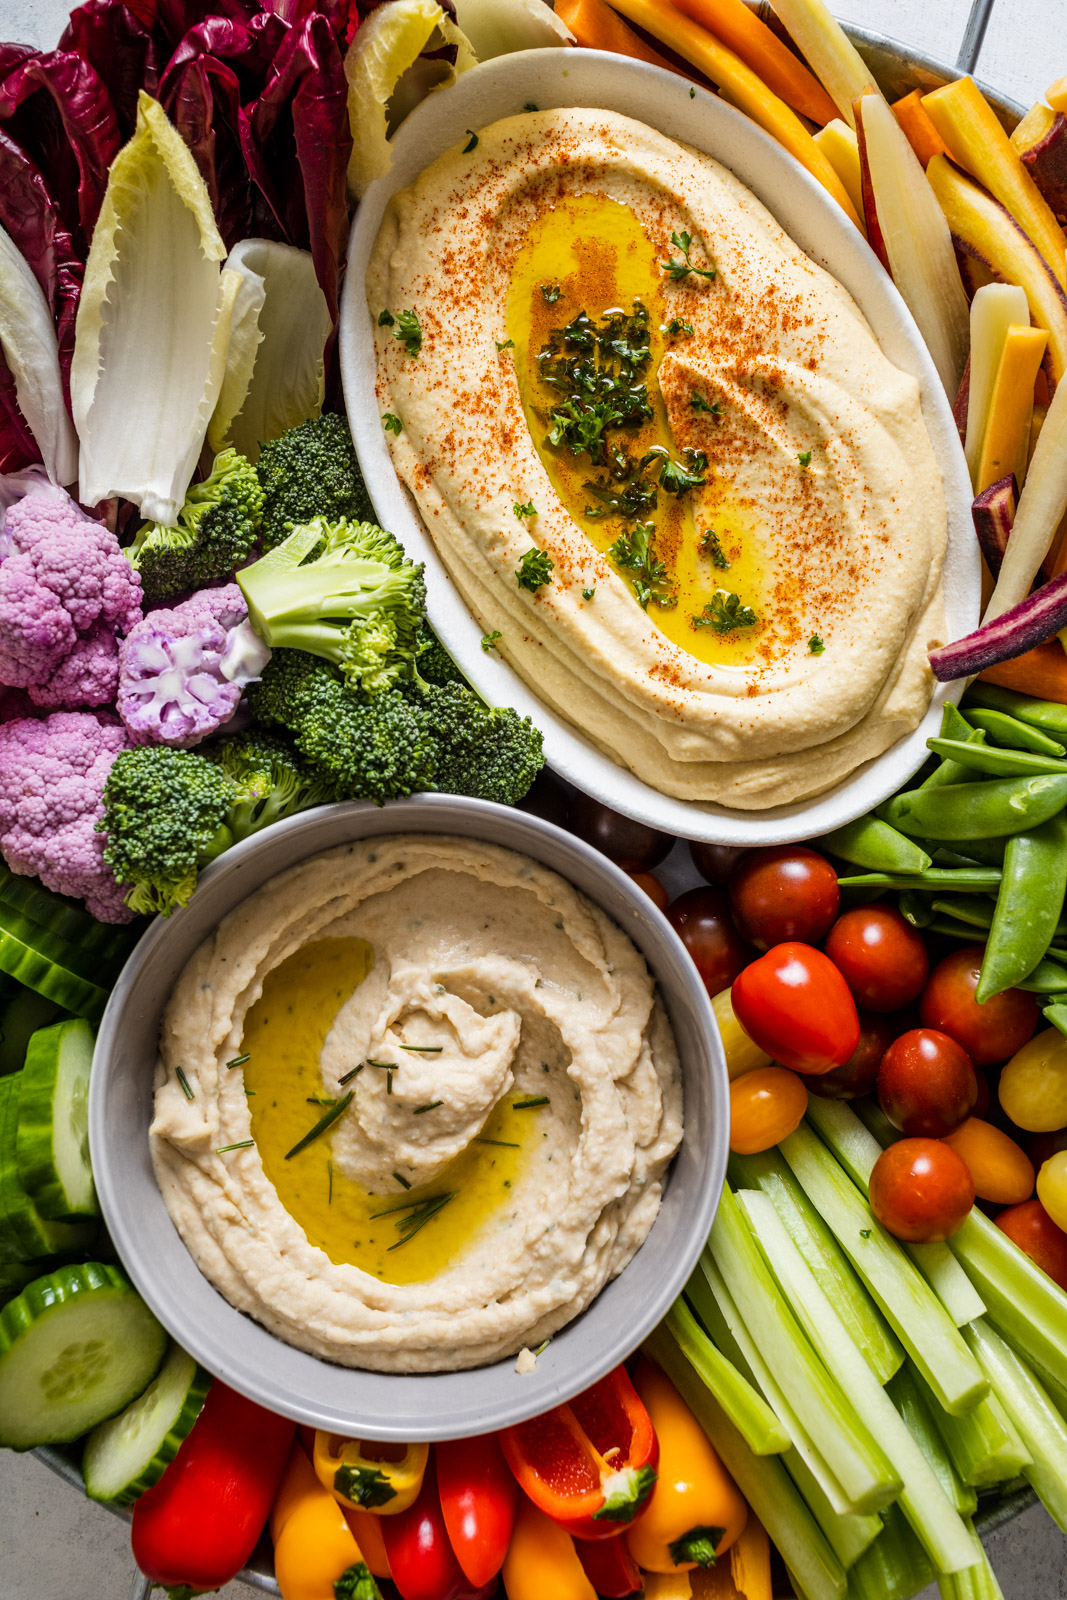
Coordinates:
[494,984]
[817,446]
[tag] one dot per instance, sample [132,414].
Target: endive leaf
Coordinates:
[28,338]
[153,325]
[500,27]
[275,365]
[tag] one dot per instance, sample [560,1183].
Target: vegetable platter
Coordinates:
[867,1365]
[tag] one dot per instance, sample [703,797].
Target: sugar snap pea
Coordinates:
[1047,714]
[867,842]
[998,763]
[1028,906]
[915,908]
[969,908]
[990,810]
[1013,733]
[953,726]
[1047,978]
[1057,1015]
[955,930]
[965,880]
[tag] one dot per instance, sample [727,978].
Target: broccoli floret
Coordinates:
[489,753]
[365,747]
[344,591]
[433,662]
[214,536]
[270,780]
[165,815]
[311,471]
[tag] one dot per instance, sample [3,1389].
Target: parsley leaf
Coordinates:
[679,325]
[675,478]
[472,142]
[527,510]
[489,640]
[409,332]
[391,423]
[551,292]
[385,319]
[531,105]
[710,545]
[804,458]
[816,645]
[588,594]
[698,403]
[724,612]
[534,570]
[507,344]
[676,269]
[632,553]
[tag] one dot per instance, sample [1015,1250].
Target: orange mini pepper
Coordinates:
[370,1475]
[367,1529]
[541,1561]
[316,1556]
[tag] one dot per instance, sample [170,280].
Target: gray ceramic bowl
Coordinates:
[239,1350]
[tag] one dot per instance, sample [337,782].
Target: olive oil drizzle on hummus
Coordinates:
[602,274]
[284,1034]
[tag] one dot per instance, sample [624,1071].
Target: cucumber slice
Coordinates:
[76,1347]
[64,917]
[55,982]
[24,1233]
[22,1012]
[90,964]
[53,1123]
[127,1455]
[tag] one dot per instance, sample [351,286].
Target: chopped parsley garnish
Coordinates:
[527,510]
[385,319]
[692,93]
[677,269]
[679,325]
[238,1061]
[551,292]
[675,478]
[391,422]
[323,1123]
[598,370]
[242,1144]
[724,612]
[530,1103]
[408,331]
[711,545]
[184,1081]
[534,570]
[632,553]
[865,1233]
[816,645]
[504,344]
[472,142]
[489,640]
[589,594]
[431,1105]
[698,403]
[531,106]
[804,458]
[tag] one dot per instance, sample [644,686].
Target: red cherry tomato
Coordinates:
[795,1004]
[715,862]
[784,892]
[860,1072]
[921,1190]
[881,957]
[926,1084]
[631,845]
[1033,1230]
[701,918]
[652,887]
[989,1032]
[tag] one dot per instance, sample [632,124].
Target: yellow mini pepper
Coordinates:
[316,1556]
[542,1563]
[370,1476]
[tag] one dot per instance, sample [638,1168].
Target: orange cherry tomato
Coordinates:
[765,1107]
[1002,1172]
[653,888]
[1033,1230]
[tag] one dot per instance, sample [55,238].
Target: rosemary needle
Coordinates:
[349,1076]
[184,1081]
[239,1061]
[531,1103]
[505,1144]
[321,1126]
[424,1049]
[243,1144]
[431,1105]
[401,1180]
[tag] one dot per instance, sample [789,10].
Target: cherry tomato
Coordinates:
[1033,1230]
[742,1053]
[1052,1188]
[631,845]
[765,1107]
[785,892]
[1001,1171]
[926,1084]
[715,862]
[547,798]
[795,1004]
[1033,1085]
[652,887]
[860,1071]
[989,1032]
[881,957]
[701,918]
[921,1190]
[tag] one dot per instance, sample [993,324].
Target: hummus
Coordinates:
[509,1095]
[747,631]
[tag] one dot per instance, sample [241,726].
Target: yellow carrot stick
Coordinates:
[840,146]
[829,52]
[741,30]
[739,84]
[1006,442]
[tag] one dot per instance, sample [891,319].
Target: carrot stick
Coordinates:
[1041,672]
[597,27]
[742,31]
[915,120]
[740,85]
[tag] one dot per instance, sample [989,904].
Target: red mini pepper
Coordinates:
[421,1559]
[610,1567]
[478,1498]
[199,1524]
[589,1465]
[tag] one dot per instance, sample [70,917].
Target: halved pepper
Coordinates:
[368,1474]
[589,1465]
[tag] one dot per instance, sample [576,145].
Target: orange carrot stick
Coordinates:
[743,32]
[1041,672]
[915,120]
[597,27]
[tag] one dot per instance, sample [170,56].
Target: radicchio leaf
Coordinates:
[118,45]
[18,448]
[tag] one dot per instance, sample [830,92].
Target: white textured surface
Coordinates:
[55,1545]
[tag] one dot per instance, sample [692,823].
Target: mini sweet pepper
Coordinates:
[370,1475]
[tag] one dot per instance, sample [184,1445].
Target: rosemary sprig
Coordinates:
[238,1061]
[184,1081]
[323,1123]
[530,1103]
[419,1213]
[348,1076]
[425,1049]
[242,1144]
[432,1105]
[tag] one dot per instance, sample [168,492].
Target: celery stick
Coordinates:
[857,1149]
[977,1583]
[1042,1428]
[857,1464]
[903,1389]
[762,1480]
[1023,1303]
[915,1314]
[848,1535]
[747,1410]
[833,1271]
[922,1497]
[895,1567]
[984,1445]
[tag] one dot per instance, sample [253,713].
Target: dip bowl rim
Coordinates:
[573,77]
[310,1389]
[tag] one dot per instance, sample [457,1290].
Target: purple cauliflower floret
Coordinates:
[65,585]
[182,669]
[52,773]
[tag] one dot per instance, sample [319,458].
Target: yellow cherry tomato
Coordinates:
[1000,1169]
[1033,1085]
[742,1053]
[1052,1188]
[765,1107]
